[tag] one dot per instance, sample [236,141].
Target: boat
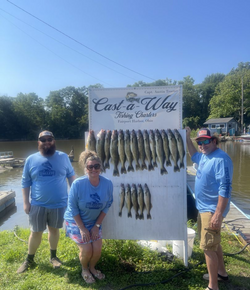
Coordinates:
[243,138]
[6,154]
[7,160]
[7,201]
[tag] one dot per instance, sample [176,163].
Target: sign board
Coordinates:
[144,108]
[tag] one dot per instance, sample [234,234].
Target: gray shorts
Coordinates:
[40,217]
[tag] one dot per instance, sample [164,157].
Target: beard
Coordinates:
[45,150]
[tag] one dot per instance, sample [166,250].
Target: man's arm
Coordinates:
[191,148]
[26,201]
[71,179]
[217,217]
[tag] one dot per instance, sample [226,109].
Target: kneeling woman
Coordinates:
[90,198]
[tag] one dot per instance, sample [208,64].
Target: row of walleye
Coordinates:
[136,197]
[155,146]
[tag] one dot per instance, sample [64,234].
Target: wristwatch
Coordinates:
[98,225]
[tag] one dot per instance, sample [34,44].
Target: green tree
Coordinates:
[68,112]
[206,91]
[9,125]
[191,101]
[228,95]
[30,114]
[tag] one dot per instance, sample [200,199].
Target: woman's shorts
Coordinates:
[73,232]
[209,239]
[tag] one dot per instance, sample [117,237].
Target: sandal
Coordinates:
[87,276]
[99,275]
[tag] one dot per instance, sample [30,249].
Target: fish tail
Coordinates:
[149,216]
[150,167]
[123,170]
[163,171]
[131,168]
[176,168]
[106,165]
[116,172]
[168,163]
[137,167]
[182,165]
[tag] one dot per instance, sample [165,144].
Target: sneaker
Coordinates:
[220,278]
[56,263]
[25,266]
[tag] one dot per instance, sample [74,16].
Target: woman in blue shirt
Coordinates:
[90,198]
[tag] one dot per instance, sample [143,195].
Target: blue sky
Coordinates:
[154,39]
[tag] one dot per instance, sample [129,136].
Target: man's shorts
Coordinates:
[73,232]
[209,239]
[40,217]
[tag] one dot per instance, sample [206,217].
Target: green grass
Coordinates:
[124,263]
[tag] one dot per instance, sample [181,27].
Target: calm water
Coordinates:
[239,152]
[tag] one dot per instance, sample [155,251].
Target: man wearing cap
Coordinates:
[212,195]
[44,188]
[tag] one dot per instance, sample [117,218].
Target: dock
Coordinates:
[236,221]
[7,201]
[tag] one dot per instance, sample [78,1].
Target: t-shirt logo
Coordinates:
[95,204]
[47,171]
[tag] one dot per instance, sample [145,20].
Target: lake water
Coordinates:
[11,180]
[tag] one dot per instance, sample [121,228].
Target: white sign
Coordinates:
[141,108]
[144,108]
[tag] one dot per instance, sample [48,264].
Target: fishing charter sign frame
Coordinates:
[144,108]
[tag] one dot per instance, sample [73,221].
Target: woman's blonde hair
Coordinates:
[87,156]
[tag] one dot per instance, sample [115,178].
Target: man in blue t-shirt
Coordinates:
[212,194]
[44,187]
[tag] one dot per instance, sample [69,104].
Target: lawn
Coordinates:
[125,264]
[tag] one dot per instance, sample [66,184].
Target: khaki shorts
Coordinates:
[209,239]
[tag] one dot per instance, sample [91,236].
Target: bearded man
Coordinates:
[45,176]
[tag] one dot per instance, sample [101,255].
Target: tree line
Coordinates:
[65,112]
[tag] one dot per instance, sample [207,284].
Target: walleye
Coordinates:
[147,198]
[128,200]
[141,149]
[134,200]
[134,149]
[180,146]
[128,152]
[121,151]
[173,149]
[114,152]
[91,141]
[107,148]
[152,146]
[140,198]
[122,198]
[166,147]
[159,151]
[100,139]
[147,150]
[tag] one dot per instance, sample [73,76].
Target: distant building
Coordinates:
[223,126]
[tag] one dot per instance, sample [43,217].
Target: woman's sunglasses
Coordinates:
[43,140]
[205,142]
[96,166]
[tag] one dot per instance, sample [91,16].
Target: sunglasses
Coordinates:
[205,142]
[46,139]
[96,167]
